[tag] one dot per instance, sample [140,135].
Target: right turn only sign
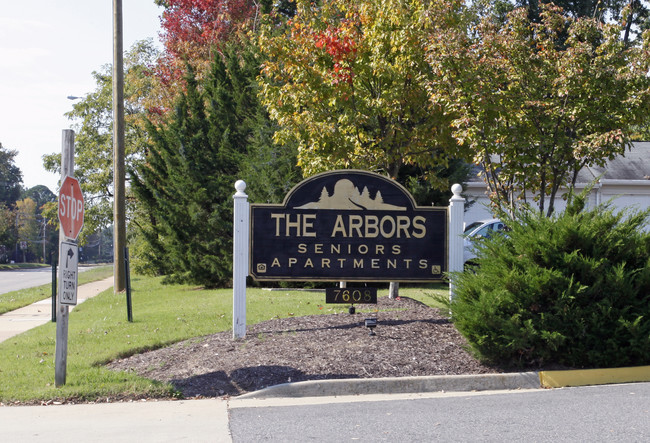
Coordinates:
[68,275]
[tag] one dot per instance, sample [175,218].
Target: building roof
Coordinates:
[633,165]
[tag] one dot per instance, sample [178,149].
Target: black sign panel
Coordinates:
[348,225]
[351,295]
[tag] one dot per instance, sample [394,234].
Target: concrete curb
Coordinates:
[453,383]
[587,377]
[399,385]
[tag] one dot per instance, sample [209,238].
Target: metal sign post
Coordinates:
[71,218]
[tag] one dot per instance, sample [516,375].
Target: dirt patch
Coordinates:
[411,339]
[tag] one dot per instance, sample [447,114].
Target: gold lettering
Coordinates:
[318,248]
[292,261]
[341,261]
[403,224]
[307,224]
[277,218]
[379,249]
[408,261]
[308,263]
[358,263]
[292,224]
[363,249]
[276,263]
[423,264]
[374,263]
[302,248]
[382,226]
[335,248]
[372,226]
[325,263]
[397,249]
[339,226]
[356,222]
[418,223]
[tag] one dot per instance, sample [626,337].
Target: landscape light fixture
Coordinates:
[371,323]
[352,309]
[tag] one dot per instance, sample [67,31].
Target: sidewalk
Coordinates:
[152,421]
[16,322]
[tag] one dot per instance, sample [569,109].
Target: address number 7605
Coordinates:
[351,295]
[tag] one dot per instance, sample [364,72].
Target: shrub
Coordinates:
[572,289]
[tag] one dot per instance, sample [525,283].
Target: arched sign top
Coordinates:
[348,225]
[349,189]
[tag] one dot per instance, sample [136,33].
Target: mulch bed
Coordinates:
[411,339]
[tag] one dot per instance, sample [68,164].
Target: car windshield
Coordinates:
[471,227]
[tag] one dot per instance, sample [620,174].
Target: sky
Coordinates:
[48,51]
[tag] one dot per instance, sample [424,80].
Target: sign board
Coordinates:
[351,295]
[68,273]
[71,208]
[348,225]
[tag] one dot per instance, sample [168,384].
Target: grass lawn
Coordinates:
[23,297]
[163,314]
[14,266]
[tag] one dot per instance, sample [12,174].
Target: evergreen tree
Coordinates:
[187,181]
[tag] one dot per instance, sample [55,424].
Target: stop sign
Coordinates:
[71,208]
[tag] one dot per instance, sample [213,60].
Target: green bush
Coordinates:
[573,290]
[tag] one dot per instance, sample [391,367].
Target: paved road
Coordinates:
[604,413]
[26,278]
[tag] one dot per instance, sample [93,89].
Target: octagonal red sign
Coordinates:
[71,208]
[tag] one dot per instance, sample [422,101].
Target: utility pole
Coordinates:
[119,176]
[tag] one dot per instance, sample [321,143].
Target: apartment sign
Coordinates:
[348,225]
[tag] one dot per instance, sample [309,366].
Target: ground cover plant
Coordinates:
[17,299]
[163,314]
[573,290]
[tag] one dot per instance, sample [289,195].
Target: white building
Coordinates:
[624,180]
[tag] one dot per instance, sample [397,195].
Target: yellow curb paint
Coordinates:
[585,377]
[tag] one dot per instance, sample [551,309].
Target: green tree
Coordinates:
[27,226]
[40,194]
[11,178]
[536,102]
[346,81]
[187,181]
[93,126]
[47,219]
[632,14]
[7,232]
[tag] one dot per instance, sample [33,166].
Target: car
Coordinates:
[476,230]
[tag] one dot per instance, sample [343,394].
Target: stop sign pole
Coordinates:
[71,215]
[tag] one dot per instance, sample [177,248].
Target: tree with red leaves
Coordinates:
[193,31]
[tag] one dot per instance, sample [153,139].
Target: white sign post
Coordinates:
[68,275]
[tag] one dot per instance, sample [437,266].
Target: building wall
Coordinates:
[624,194]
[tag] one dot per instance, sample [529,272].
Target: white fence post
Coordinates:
[240,260]
[456,216]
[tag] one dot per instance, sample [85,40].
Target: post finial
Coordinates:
[240,185]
